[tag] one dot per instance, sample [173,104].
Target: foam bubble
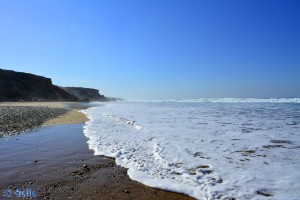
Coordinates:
[207,151]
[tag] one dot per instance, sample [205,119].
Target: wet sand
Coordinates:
[55,162]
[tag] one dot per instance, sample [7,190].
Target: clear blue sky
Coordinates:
[157,49]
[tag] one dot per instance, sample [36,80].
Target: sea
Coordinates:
[205,148]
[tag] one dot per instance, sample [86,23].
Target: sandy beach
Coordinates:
[54,162]
[24,116]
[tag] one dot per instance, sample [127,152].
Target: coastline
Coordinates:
[72,116]
[18,117]
[55,161]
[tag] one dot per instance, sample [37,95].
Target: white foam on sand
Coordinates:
[206,150]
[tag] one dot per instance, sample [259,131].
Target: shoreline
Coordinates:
[19,117]
[65,168]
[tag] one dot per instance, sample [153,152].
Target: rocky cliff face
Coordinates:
[19,86]
[85,94]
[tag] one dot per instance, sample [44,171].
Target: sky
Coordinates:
[157,49]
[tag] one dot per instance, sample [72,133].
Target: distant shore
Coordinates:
[55,162]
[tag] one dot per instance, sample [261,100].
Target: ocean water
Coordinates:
[205,148]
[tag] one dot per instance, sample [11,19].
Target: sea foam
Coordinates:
[207,150]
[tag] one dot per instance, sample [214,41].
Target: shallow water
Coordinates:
[207,149]
[35,153]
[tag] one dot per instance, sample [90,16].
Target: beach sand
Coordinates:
[55,162]
[73,116]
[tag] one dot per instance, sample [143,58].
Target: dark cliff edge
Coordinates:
[20,86]
[85,94]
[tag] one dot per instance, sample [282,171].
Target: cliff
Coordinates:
[19,86]
[85,94]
